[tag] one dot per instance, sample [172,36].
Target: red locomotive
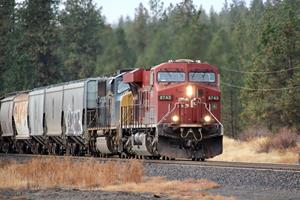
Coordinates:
[177,110]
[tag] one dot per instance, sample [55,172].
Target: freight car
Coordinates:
[171,110]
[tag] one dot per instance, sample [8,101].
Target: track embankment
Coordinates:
[216,164]
[237,179]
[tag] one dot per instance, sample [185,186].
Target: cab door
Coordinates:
[119,89]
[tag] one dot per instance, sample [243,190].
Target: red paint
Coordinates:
[134,76]
[187,114]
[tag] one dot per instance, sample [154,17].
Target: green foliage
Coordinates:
[6,35]
[41,45]
[81,29]
[117,54]
[278,50]
[33,61]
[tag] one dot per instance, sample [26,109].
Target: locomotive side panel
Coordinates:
[103,105]
[36,112]
[92,94]
[73,108]
[54,110]
[20,114]
[127,110]
[6,116]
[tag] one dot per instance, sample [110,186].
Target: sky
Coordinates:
[114,9]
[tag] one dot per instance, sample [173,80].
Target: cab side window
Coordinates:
[122,87]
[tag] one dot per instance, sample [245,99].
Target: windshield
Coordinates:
[171,76]
[203,77]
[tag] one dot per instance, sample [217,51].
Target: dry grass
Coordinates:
[67,173]
[185,190]
[250,151]
[91,175]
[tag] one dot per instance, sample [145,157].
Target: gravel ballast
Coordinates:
[64,194]
[241,183]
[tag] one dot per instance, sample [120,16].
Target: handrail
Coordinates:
[167,114]
[215,118]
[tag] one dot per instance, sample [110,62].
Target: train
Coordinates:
[171,110]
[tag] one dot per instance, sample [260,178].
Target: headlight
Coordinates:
[189,91]
[175,118]
[207,118]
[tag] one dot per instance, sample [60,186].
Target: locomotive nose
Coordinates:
[193,106]
[193,91]
[190,91]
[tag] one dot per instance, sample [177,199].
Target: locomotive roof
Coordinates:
[186,61]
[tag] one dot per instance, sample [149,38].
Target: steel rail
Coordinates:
[208,163]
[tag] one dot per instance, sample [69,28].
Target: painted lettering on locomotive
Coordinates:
[171,110]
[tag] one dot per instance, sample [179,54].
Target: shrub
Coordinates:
[254,132]
[284,139]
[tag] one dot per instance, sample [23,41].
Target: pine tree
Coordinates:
[40,30]
[82,26]
[157,10]
[117,54]
[278,51]
[33,59]
[139,33]
[7,21]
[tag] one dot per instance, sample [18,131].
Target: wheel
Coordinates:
[123,155]
[68,150]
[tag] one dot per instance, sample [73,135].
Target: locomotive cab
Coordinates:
[187,86]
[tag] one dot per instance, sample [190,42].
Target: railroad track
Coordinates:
[215,164]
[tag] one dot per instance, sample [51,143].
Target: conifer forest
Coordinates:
[256,48]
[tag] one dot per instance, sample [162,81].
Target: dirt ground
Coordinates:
[63,194]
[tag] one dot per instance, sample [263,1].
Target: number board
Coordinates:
[165,97]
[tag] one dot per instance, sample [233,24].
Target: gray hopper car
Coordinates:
[52,119]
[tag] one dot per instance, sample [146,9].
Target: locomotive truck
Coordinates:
[171,110]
